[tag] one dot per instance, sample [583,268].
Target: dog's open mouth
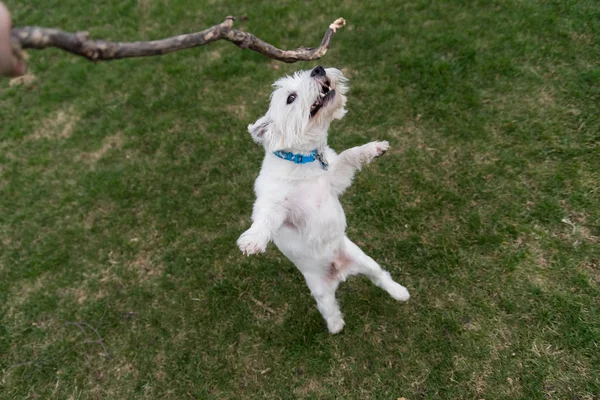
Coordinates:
[325,95]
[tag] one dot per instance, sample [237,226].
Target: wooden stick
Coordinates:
[32,37]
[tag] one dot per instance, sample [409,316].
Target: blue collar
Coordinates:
[301,158]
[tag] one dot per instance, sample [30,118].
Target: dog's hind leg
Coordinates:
[323,290]
[355,261]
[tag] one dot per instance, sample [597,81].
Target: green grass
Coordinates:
[124,186]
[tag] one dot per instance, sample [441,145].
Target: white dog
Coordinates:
[297,191]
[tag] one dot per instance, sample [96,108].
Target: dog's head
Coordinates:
[302,107]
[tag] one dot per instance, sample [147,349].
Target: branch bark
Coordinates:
[33,37]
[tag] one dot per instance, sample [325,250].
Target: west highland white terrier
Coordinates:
[297,190]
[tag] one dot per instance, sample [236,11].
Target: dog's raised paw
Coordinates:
[372,150]
[381,147]
[248,244]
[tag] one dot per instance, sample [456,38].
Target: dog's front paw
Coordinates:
[251,243]
[374,149]
[380,148]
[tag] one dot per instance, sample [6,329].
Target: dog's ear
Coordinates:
[259,129]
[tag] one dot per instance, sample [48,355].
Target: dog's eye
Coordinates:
[291,98]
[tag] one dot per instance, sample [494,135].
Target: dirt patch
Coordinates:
[58,126]
[109,143]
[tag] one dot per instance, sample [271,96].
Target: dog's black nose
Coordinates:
[317,71]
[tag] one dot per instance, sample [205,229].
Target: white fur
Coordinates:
[297,205]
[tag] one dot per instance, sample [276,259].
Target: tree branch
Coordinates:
[32,37]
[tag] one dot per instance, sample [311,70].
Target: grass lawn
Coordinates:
[124,186]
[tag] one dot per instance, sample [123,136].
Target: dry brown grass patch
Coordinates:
[147,262]
[247,359]
[26,80]
[592,269]
[109,143]
[21,293]
[159,361]
[411,134]
[576,227]
[214,54]
[239,111]
[499,340]
[58,126]
[264,312]
[103,209]
[124,370]
[146,265]
[310,387]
